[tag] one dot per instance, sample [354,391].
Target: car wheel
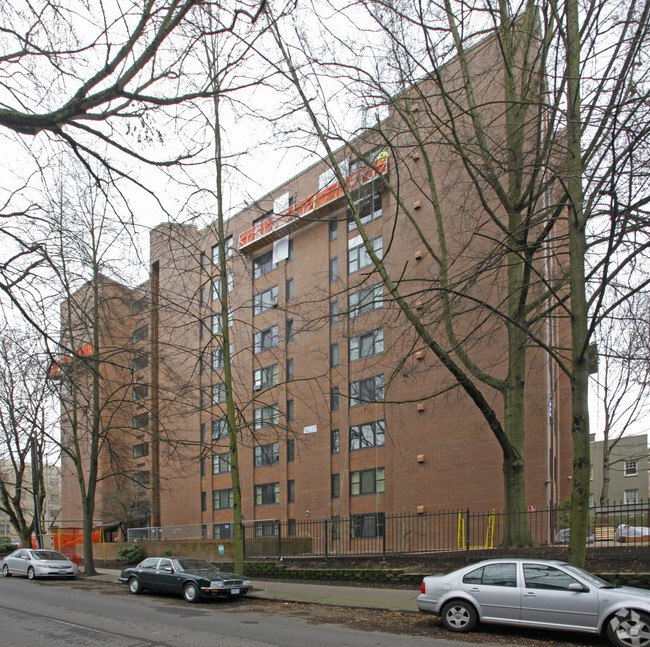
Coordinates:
[5,571]
[629,628]
[134,586]
[459,616]
[31,575]
[191,592]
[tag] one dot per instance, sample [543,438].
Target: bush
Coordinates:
[5,545]
[130,554]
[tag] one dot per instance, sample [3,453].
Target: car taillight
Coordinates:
[423,588]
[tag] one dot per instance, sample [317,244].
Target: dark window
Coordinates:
[223,530]
[222,499]
[290,410]
[291,491]
[358,256]
[202,261]
[267,454]
[289,289]
[267,493]
[370,434]
[334,229]
[216,251]
[290,330]
[266,339]
[370,389]
[368,208]
[219,428]
[265,300]
[367,344]
[221,463]
[216,286]
[218,393]
[204,502]
[334,312]
[140,450]
[336,486]
[334,355]
[201,296]
[202,432]
[263,265]
[139,306]
[202,463]
[266,416]
[290,376]
[266,529]
[139,334]
[371,481]
[334,269]
[217,357]
[291,448]
[335,441]
[140,421]
[140,391]
[265,378]
[334,398]
[367,526]
[140,362]
[291,527]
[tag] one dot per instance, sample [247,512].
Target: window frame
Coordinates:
[360,485]
[266,455]
[266,491]
[361,438]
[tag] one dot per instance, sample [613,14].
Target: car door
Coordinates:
[166,577]
[553,597]
[494,587]
[19,562]
[147,573]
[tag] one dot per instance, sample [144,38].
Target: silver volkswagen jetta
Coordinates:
[538,593]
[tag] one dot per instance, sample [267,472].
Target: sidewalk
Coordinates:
[351,596]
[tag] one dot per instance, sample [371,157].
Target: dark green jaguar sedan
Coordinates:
[190,577]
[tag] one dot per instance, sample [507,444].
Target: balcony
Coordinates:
[280,224]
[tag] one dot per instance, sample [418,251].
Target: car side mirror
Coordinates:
[578,588]
[167,568]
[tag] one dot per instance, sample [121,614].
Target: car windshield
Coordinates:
[49,554]
[196,565]
[592,579]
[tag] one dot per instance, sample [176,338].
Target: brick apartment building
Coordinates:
[343,411]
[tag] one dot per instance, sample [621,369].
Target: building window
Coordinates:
[202,261]
[140,421]
[290,377]
[370,434]
[291,449]
[222,499]
[291,491]
[267,494]
[335,441]
[358,256]
[202,364]
[218,393]
[265,339]
[367,526]
[266,529]
[216,286]
[140,450]
[223,530]
[336,486]
[368,209]
[334,355]
[140,391]
[265,378]
[139,334]
[631,496]
[291,527]
[370,389]
[366,300]
[219,428]
[221,463]
[266,416]
[266,455]
[631,468]
[217,326]
[263,265]
[142,478]
[202,432]
[366,345]
[216,251]
[289,329]
[202,398]
[333,229]
[140,362]
[204,502]
[334,312]
[289,290]
[217,357]
[140,305]
[334,269]
[265,300]
[202,467]
[290,410]
[367,482]
[334,398]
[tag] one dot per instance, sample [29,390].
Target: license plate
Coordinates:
[234,591]
[63,572]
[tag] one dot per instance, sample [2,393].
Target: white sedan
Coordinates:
[538,593]
[33,563]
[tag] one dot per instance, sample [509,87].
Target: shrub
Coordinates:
[130,554]
[5,544]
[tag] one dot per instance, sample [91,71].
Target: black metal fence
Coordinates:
[459,530]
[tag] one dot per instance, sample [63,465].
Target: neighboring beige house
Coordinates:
[628,471]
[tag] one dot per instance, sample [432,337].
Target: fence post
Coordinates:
[279,539]
[243,540]
[467,534]
[383,538]
[326,538]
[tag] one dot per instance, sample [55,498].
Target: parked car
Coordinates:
[34,563]
[190,577]
[538,593]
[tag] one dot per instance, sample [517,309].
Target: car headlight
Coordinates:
[246,583]
[216,584]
